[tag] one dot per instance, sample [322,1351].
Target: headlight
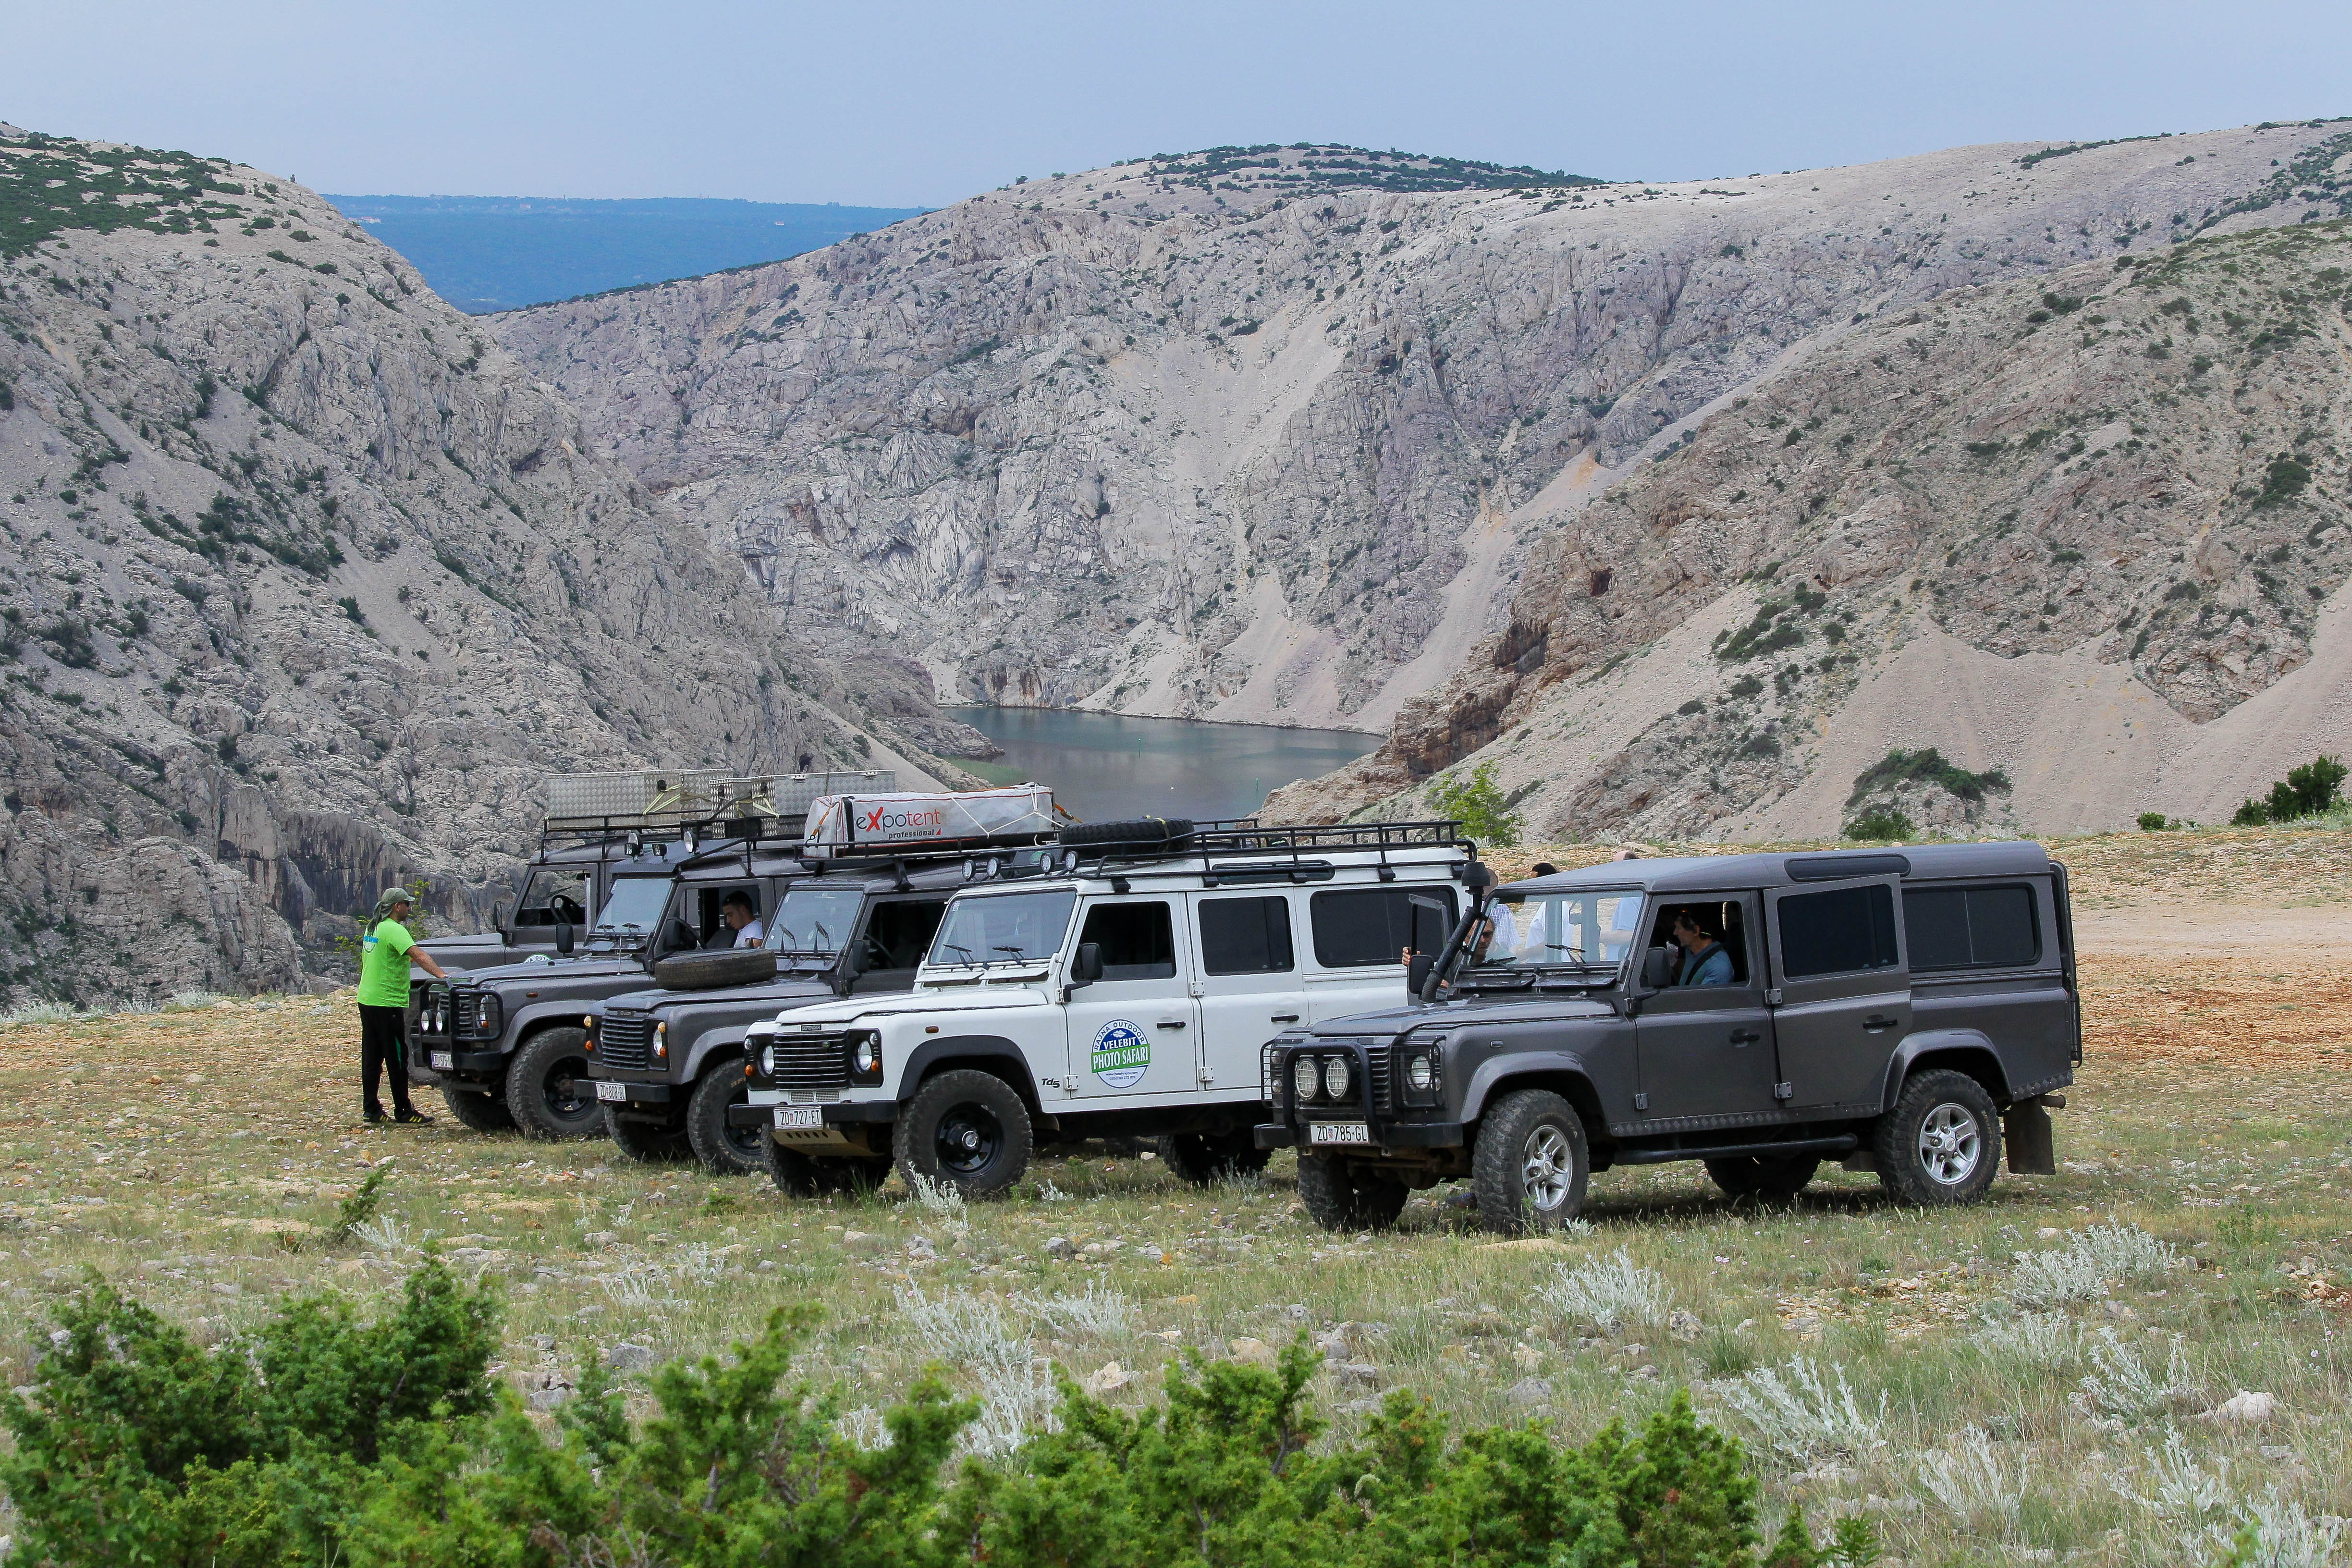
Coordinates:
[1335,1077]
[1419,1073]
[1302,1076]
[661,1042]
[768,1060]
[490,1021]
[867,1055]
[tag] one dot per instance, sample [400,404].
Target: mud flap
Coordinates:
[2032,1150]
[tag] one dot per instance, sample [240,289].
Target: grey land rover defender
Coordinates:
[1907,1012]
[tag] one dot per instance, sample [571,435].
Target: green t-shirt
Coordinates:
[384,965]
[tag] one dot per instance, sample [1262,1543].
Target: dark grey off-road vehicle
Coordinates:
[1907,1012]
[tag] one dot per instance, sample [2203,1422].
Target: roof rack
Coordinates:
[666,803]
[1243,850]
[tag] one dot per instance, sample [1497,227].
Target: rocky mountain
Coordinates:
[304,583]
[1271,432]
[2040,555]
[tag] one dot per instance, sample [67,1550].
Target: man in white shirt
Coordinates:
[743,919]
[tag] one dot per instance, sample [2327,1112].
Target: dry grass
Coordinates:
[192,1154]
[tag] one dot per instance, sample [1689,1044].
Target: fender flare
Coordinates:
[710,1043]
[1496,1069]
[967,1048]
[531,1017]
[1933,1042]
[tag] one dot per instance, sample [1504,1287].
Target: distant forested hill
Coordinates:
[495,253]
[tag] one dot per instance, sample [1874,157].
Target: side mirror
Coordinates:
[1653,969]
[1477,876]
[1417,970]
[564,940]
[1086,965]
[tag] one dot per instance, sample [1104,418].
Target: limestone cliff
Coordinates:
[1266,434]
[305,582]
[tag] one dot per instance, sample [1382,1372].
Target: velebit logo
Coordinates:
[1122,1053]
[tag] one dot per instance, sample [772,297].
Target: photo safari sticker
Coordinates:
[1123,1054]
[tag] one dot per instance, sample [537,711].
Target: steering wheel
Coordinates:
[567,910]
[872,954]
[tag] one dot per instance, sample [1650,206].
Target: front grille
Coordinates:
[1383,1070]
[625,1041]
[809,1061]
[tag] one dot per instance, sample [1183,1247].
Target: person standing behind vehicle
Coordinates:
[385,954]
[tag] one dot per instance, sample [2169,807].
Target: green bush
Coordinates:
[319,1438]
[2153,822]
[1478,805]
[1879,825]
[1926,766]
[2308,790]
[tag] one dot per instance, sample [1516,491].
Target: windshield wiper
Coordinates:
[959,947]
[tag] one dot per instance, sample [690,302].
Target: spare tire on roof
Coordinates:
[710,971]
[1136,836]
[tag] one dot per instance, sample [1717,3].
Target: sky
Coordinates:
[919,102]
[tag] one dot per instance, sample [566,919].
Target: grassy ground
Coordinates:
[191,1154]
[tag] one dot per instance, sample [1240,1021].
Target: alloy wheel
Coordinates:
[1951,1143]
[1548,1168]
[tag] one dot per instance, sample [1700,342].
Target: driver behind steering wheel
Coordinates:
[740,924]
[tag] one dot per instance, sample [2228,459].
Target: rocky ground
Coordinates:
[305,584]
[1264,437]
[2060,1406]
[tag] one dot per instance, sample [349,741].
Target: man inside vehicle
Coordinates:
[740,924]
[1704,960]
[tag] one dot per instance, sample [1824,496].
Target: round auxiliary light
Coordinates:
[1302,1076]
[1419,1073]
[1335,1078]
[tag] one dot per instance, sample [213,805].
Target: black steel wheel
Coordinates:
[964,1129]
[549,1091]
[724,1151]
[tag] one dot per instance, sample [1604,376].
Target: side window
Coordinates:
[1841,931]
[712,930]
[898,934]
[1245,936]
[554,898]
[1718,921]
[1970,928]
[1355,929]
[1137,940]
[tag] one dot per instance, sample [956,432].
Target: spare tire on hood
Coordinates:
[710,970]
[1136,836]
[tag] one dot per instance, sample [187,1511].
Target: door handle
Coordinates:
[1284,1018]
[1877,1022]
[1171,1024]
[1745,1036]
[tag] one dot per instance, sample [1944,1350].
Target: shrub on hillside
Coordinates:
[320,1438]
[1478,803]
[1879,825]
[2307,791]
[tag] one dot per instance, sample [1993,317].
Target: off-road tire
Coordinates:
[1339,1195]
[1767,1178]
[1145,835]
[478,1108]
[803,1176]
[549,1091]
[966,1129]
[1530,1168]
[715,971]
[1205,1159]
[648,1143]
[724,1151]
[1935,1108]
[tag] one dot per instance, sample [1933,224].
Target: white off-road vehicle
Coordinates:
[1122,984]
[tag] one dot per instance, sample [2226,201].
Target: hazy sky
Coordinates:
[918,103]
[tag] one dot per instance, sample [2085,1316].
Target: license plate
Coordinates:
[445,1060]
[607,1090]
[1339,1132]
[798,1117]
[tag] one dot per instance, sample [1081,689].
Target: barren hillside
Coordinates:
[305,582]
[2087,534]
[1263,433]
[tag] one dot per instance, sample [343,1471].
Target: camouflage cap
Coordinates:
[390,897]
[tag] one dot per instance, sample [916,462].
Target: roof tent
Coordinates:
[841,826]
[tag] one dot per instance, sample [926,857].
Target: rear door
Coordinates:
[1250,986]
[1135,1031]
[1843,991]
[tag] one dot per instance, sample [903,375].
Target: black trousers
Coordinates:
[382,1050]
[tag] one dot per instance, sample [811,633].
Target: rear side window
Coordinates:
[1137,940]
[1355,930]
[1838,932]
[1245,936]
[1970,928]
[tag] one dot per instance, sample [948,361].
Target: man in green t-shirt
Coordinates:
[386,950]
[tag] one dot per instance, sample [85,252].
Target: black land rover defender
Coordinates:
[668,1063]
[507,1044]
[1905,1013]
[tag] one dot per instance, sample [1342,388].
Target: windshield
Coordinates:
[815,922]
[1582,927]
[635,908]
[1005,928]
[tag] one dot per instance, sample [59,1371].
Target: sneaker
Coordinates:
[372,1114]
[409,1116]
